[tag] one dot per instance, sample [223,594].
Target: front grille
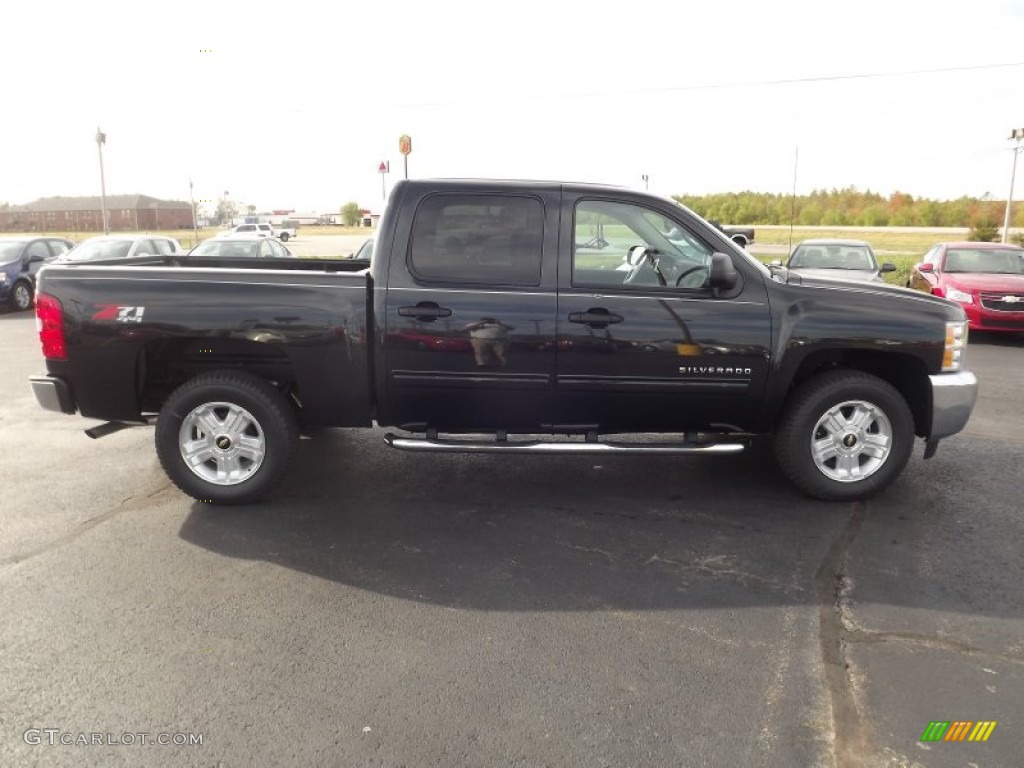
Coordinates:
[998,302]
[1010,325]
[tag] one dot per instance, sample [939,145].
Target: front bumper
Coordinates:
[981,318]
[53,393]
[953,396]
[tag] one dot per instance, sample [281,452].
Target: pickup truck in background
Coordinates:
[284,234]
[742,236]
[493,318]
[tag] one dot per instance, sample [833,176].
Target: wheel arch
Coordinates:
[908,374]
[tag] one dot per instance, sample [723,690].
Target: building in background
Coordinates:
[136,213]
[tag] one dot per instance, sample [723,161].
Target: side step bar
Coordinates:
[445,445]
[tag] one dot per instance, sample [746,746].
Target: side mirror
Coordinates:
[635,255]
[723,274]
[926,267]
[888,267]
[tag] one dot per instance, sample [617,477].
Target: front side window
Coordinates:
[494,239]
[37,251]
[59,247]
[606,235]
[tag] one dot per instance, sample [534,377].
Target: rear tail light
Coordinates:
[50,324]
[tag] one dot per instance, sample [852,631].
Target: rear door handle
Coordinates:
[596,318]
[427,311]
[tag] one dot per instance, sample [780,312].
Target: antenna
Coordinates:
[792,204]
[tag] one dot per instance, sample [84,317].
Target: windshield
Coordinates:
[858,257]
[1005,261]
[10,250]
[98,249]
[230,248]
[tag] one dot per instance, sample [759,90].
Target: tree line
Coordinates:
[850,207]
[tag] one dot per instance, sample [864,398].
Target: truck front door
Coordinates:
[470,313]
[647,346]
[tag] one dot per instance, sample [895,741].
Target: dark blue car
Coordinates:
[20,259]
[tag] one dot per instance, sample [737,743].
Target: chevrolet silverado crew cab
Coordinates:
[507,317]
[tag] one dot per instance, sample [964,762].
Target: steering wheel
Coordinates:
[689,271]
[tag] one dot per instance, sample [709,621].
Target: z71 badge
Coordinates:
[119,314]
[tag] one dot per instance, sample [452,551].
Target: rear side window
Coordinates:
[492,239]
[164,247]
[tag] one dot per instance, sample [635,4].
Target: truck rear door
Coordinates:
[647,346]
[470,310]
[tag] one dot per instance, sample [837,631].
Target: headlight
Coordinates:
[956,344]
[957,295]
[3,277]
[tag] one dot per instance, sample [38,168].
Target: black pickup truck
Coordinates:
[507,317]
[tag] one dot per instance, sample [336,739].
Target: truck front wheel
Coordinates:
[844,435]
[226,437]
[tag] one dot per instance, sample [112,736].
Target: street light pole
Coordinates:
[1015,135]
[192,200]
[646,179]
[101,139]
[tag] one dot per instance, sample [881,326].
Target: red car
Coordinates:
[986,279]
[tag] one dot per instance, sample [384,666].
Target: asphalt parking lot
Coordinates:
[392,609]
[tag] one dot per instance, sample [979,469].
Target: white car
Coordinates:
[105,247]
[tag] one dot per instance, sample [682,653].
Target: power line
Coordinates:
[720,86]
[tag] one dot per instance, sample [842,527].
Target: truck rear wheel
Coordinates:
[226,437]
[844,435]
[284,237]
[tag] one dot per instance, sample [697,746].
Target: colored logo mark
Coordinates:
[958,730]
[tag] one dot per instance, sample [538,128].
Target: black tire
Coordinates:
[284,237]
[21,296]
[268,422]
[803,421]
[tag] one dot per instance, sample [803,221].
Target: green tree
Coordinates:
[350,214]
[983,231]
[226,210]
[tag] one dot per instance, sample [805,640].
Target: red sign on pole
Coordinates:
[383,167]
[405,144]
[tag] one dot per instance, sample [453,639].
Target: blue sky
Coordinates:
[295,105]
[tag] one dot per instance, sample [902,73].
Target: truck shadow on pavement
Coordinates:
[515,533]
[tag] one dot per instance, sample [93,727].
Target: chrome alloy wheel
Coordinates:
[222,443]
[851,441]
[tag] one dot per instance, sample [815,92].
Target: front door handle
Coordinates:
[427,311]
[595,318]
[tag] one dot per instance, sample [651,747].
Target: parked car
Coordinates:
[20,259]
[107,247]
[242,246]
[986,279]
[846,259]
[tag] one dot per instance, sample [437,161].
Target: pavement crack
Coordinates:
[852,740]
[79,530]
[868,636]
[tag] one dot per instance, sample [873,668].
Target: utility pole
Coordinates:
[101,139]
[1015,135]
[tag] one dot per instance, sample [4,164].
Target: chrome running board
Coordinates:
[504,445]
